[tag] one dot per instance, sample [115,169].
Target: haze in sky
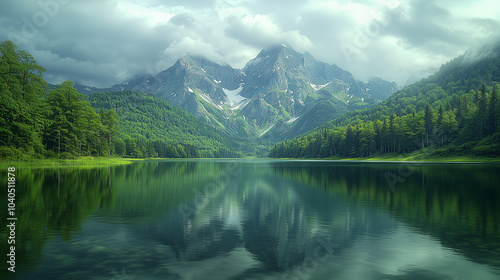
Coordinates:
[104,42]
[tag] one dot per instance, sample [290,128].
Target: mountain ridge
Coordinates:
[272,92]
[455,111]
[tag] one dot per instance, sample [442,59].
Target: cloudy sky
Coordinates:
[104,42]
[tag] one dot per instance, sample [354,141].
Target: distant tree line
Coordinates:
[455,111]
[456,124]
[160,129]
[141,148]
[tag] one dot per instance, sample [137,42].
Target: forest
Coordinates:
[39,122]
[157,128]
[455,112]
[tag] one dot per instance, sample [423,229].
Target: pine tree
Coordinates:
[439,121]
[492,117]
[392,131]
[439,124]
[459,114]
[482,112]
[428,122]
[72,121]
[109,121]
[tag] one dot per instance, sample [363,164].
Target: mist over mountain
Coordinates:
[454,111]
[279,94]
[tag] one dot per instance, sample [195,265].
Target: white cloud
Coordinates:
[105,42]
[152,16]
[261,31]
[188,45]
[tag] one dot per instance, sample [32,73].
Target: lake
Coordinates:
[257,219]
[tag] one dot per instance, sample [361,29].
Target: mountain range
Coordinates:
[278,95]
[241,112]
[453,112]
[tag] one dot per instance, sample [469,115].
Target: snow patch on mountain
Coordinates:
[233,96]
[318,87]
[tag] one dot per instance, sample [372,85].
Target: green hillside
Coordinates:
[148,118]
[451,113]
[38,121]
[455,112]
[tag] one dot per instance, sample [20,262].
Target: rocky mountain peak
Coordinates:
[280,91]
[272,55]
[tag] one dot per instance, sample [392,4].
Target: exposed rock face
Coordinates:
[280,92]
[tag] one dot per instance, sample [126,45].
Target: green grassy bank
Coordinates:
[81,161]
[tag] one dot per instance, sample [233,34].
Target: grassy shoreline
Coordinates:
[81,161]
[92,161]
[412,157]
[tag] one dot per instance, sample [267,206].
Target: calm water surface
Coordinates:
[257,219]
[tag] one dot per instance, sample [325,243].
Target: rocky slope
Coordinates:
[279,94]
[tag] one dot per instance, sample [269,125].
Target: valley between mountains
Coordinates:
[278,95]
[282,104]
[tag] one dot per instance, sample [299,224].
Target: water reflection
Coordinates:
[51,202]
[260,220]
[457,203]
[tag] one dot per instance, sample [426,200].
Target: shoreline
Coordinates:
[93,162]
[80,162]
[402,158]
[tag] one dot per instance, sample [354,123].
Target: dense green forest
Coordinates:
[152,127]
[453,112]
[38,122]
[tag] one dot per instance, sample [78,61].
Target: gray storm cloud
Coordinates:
[100,43]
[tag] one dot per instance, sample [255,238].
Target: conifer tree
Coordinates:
[428,122]
[492,112]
